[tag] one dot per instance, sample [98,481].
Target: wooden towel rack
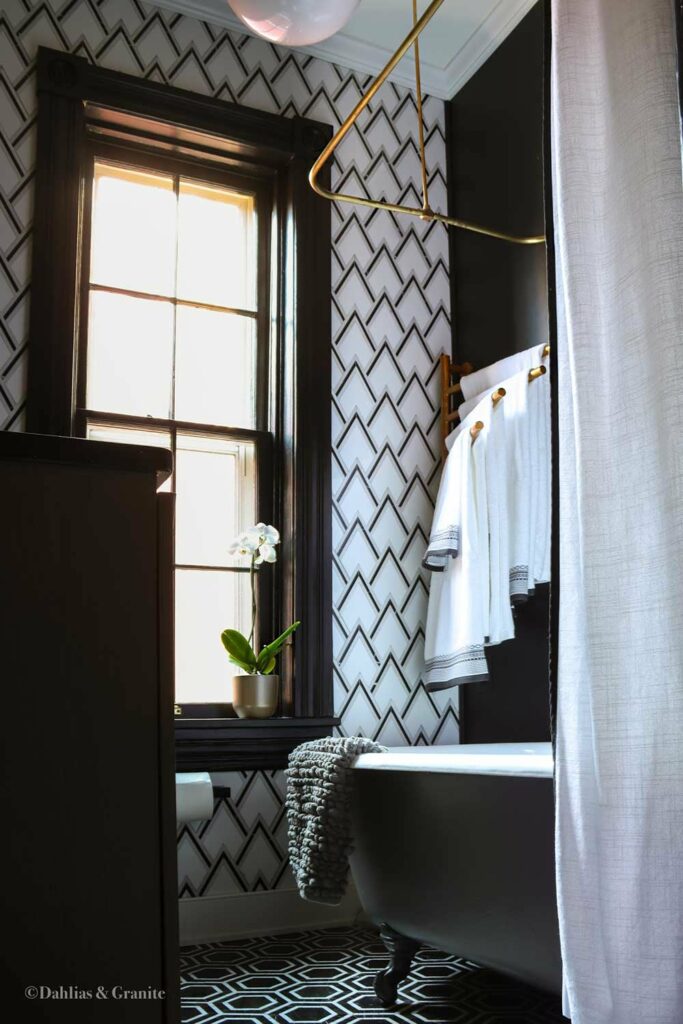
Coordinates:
[451,390]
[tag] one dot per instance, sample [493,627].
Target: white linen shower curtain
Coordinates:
[618,205]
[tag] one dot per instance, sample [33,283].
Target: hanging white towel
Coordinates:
[519,479]
[509,489]
[444,537]
[540,439]
[518,490]
[492,376]
[501,483]
[458,610]
[534,456]
[501,622]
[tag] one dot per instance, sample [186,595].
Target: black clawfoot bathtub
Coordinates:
[453,847]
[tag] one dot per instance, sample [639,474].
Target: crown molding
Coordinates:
[368,58]
[487,37]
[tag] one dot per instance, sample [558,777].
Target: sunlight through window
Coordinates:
[171,361]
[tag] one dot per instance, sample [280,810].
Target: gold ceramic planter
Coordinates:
[255,696]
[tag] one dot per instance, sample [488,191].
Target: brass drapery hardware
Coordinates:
[476,430]
[497,395]
[424,213]
[538,371]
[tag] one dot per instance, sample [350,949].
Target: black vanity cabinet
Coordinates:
[88,901]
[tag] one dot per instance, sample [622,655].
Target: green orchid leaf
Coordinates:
[269,652]
[249,669]
[239,649]
[265,670]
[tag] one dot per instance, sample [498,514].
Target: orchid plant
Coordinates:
[259,544]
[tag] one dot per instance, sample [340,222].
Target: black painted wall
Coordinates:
[500,306]
[495,152]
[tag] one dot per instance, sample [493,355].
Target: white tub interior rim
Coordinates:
[527,759]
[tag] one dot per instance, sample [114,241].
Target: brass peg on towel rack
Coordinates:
[546,351]
[538,371]
[476,430]
[497,395]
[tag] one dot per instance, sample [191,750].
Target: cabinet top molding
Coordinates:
[77,451]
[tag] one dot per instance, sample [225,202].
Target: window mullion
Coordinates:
[176,190]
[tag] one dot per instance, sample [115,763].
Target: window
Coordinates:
[181,298]
[170,359]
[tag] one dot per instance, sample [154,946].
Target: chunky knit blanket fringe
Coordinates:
[319,780]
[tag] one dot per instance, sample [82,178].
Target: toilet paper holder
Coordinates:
[197,797]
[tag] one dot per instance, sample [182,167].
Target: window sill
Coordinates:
[233,744]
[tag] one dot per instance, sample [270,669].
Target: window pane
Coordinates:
[215,497]
[131,435]
[130,355]
[206,604]
[133,230]
[215,356]
[216,251]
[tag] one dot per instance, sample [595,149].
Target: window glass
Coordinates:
[214,377]
[206,603]
[133,230]
[215,497]
[130,355]
[215,246]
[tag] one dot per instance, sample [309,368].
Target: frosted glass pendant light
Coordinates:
[294,22]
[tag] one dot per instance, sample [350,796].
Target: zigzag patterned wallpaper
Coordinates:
[390,306]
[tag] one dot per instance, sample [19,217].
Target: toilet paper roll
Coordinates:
[193,797]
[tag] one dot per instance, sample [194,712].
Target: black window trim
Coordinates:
[83,110]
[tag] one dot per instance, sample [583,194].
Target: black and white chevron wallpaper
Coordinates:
[390,307]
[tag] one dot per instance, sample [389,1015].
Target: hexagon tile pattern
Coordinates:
[326,977]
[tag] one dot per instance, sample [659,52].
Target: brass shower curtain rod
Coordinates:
[424,212]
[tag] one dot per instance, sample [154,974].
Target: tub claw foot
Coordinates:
[402,950]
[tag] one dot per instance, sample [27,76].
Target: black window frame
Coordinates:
[85,111]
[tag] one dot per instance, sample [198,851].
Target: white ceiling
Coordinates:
[457,41]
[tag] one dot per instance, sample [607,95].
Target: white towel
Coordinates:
[458,609]
[492,376]
[444,536]
[510,490]
[540,440]
[501,622]
[510,464]
[516,447]
[534,454]
[518,482]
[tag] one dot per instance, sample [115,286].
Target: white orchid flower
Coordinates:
[246,544]
[268,534]
[266,553]
[250,540]
[258,542]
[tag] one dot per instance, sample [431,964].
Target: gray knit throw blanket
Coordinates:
[319,781]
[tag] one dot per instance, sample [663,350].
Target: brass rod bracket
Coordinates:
[424,213]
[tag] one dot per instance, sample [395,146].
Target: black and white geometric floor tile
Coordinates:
[326,977]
